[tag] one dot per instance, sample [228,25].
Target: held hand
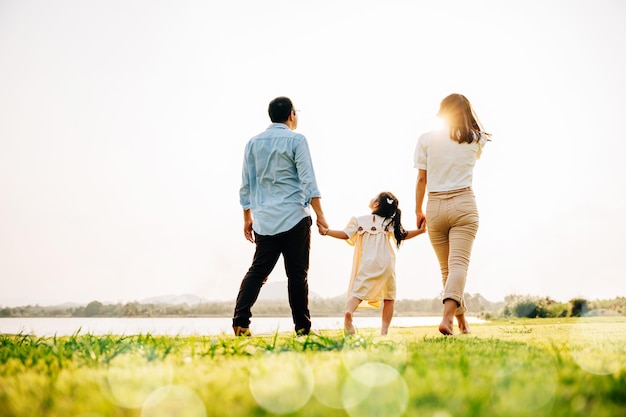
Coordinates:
[421,228]
[421,220]
[321,223]
[322,230]
[247,231]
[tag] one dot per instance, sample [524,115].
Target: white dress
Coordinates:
[373,277]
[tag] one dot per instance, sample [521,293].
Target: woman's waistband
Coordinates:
[449,193]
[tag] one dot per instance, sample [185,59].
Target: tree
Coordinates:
[578,307]
[131,309]
[93,309]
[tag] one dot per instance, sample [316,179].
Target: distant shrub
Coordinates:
[557,309]
[527,307]
[617,305]
[601,313]
[578,307]
[486,315]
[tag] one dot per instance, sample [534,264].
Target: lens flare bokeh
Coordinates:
[375,389]
[525,386]
[361,351]
[596,347]
[329,379]
[173,401]
[281,383]
[131,378]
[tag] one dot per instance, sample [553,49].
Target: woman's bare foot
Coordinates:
[446,327]
[463,325]
[447,321]
[348,327]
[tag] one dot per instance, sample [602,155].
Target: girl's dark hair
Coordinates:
[388,208]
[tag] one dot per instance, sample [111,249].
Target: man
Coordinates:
[278,186]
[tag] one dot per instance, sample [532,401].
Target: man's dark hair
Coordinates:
[279,109]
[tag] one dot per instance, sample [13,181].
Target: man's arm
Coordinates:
[316,204]
[247,225]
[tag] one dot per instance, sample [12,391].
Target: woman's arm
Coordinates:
[420,191]
[412,233]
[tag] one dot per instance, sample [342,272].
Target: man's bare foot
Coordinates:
[446,327]
[348,328]
[463,325]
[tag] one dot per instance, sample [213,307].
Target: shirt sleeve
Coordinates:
[481,143]
[351,230]
[420,157]
[306,173]
[244,189]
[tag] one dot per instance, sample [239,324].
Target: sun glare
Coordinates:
[434,123]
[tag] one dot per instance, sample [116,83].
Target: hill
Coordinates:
[271,291]
[275,291]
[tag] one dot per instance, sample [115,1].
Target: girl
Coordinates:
[373,277]
[445,160]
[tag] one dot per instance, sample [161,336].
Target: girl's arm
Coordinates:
[337,234]
[412,233]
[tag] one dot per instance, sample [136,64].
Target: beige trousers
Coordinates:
[452,219]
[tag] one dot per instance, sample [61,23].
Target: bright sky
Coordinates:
[123,123]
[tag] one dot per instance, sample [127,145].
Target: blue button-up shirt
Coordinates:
[277,180]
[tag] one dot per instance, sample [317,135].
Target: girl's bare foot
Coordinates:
[446,327]
[348,328]
[463,325]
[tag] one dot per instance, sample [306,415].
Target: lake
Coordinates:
[47,326]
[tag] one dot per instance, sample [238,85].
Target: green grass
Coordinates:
[533,367]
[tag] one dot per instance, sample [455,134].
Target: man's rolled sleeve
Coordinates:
[306,173]
[244,189]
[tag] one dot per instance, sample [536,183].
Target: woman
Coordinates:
[445,161]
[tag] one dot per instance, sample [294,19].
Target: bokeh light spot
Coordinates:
[375,389]
[281,383]
[329,379]
[525,386]
[131,379]
[173,401]
[596,347]
[385,351]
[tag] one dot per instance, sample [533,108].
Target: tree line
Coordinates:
[512,306]
[263,308]
[532,307]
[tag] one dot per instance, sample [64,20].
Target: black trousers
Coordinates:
[294,245]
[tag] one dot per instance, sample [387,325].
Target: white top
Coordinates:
[449,165]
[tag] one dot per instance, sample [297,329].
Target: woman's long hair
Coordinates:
[388,208]
[459,115]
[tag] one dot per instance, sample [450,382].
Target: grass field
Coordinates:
[533,367]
